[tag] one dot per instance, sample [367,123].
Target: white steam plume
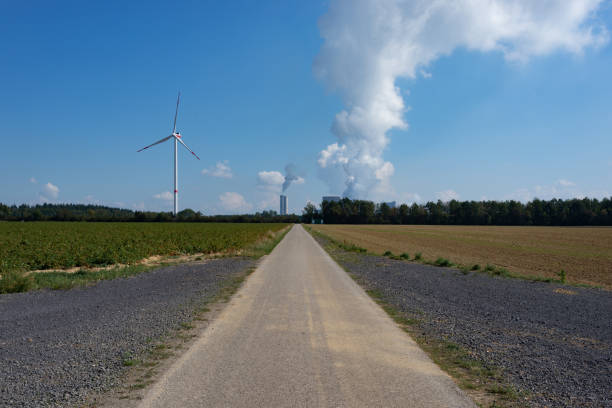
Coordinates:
[291,177]
[368,44]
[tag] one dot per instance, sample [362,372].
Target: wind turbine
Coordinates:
[177,139]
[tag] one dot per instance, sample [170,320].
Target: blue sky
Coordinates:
[85,85]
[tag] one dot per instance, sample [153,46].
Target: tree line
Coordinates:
[569,212]
[98,213]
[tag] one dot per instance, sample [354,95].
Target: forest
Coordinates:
[98,213]
[571,212]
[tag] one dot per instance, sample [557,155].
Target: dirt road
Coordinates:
[301,333]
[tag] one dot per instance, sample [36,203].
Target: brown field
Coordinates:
[584,253]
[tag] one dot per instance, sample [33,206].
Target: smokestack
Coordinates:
[283,205]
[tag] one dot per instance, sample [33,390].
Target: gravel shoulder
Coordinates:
[552,341]
[57,348]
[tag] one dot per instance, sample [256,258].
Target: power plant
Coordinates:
[283,205]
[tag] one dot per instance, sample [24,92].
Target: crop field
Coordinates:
[54,245]
[585,254]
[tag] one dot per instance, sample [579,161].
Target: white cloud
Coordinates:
[565,183]
[166,195]
[270,180]
[220,170]
[333,154]
[447,195]
[33,180]
[560,189]
[369,44]
[385,171]
[50,191]
[270,201]
[234,202]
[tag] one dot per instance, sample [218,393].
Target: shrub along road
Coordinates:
[551,340]
[58,347]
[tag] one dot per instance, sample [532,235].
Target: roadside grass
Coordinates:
[14,280]
[483,382]
[489,269]
[129,360]
[265,245]
[67,280]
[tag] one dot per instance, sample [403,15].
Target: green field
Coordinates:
[59,245]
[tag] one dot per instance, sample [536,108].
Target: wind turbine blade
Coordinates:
[178,99]
[158,142]
[183,143]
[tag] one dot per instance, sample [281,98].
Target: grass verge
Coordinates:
[267,244]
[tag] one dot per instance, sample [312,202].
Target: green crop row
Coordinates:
[58,245]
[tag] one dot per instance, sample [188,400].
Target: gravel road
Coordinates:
[554,341]
[56,347]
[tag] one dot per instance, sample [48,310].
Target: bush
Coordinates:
[418,256]
[15,281]
[405,255]
[388,253]
[443,262]
[475,267]
[489,268]
[562,276]
[352,247]
[501,272]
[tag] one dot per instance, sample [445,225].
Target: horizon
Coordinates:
[275,100]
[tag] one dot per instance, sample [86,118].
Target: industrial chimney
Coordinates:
[283,205]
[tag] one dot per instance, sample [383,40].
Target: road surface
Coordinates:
[301,333]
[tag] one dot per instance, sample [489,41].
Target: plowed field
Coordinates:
[584,253]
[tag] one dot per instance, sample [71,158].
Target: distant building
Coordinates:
[283,205]
[334,199]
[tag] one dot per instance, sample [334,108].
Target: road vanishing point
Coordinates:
[301,333]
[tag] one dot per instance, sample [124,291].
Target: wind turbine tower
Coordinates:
[177,138]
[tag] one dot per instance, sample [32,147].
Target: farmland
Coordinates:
[50,245]
[585,254]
